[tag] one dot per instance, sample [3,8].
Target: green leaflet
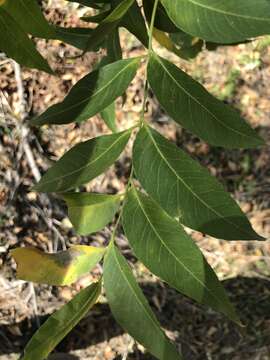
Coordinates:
[77,37]
[164,247]
[185,189]
[83,162]
[134,22]
[221,21]
[189,104]
[108,24]
[61,268]
[113,45]
[131,309]
[29,16]
[92,93]
[19,46]
[90,212]
[114,53]
[61,323]
[108,115]
[96,19]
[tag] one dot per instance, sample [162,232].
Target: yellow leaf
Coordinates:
[62,268]
[164,40]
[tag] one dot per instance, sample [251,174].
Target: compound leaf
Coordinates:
[62,268]
[83,162]
[187,190]
[131,309]
[221,21]
[61,323]
[90,212]
[164,247]
[92,93]
[189,104]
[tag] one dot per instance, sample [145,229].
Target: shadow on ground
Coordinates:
[199,332]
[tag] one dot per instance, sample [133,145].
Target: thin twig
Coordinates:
[30,159]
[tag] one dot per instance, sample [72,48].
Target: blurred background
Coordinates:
[239,76]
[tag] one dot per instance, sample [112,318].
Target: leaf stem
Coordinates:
[151,27]
[150,49]
[123,203]
[141,122]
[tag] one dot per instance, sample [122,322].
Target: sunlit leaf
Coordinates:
[90,212]
[131,309]
[189,104]
[62,268]
[61,323]
[109,23]
[83,162]
[221,21]
[164,247]
[92,93]
[187,190]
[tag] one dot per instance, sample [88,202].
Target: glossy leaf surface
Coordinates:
[83,163]
[90,212]
[189,104]
[187,190]
[131,309]
[221,21]
[91,94]
[164,247]
[62,268]
[61,323]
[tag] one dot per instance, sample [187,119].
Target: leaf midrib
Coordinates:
[170,251]
[136,296]
[228,13]
[67,108]
[71,321]
[189,188]
[100,204]
[200,104]
[88,164]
